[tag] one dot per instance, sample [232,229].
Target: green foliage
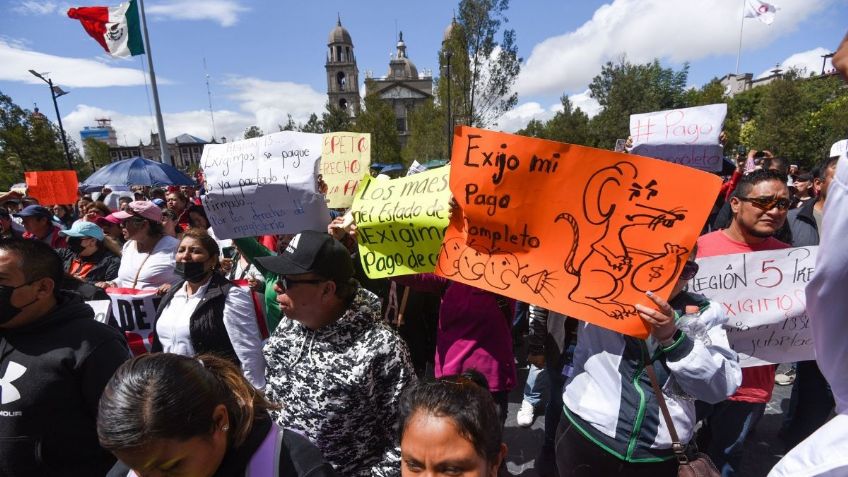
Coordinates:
[29,142]
[379,120]
[427,138]
[624,88]
[96,153]
[483,69]
[252,132]
[335,119]
[313,125]
[793,116]
[289,126]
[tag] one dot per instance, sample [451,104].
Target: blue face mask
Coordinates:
[7,310]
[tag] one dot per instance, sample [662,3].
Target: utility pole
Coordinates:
[55,92]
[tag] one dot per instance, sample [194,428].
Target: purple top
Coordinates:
[473,331]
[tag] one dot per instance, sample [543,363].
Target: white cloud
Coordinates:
[225,12]
[131,129]
[262,103]
[17,60]
[518,117]
[647,29]
[269,102]
[33,7]
[811,61]
[585,102]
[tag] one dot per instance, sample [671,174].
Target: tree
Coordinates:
[379,120]
[335,119]
[624,88]
[29,142]
[427,139]
[483,70]
[289,126]
[570,125]
[96,152]
[313,125]
[252,132]
[534,128]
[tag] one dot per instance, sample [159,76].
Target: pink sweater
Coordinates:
[473,331]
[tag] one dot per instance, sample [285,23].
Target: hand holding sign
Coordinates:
[581,231]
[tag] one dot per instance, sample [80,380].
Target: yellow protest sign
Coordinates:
[345,156]
[401,222]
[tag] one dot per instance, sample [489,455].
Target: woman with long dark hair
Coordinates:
[172,415]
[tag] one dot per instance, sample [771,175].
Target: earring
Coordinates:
[225,428]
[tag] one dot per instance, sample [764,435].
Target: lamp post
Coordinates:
[55,92]
[448,55]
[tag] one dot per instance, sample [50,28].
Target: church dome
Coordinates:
[403,68]
[449,30]
[339,35]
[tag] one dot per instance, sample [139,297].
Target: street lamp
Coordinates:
[55,92]
[448,56]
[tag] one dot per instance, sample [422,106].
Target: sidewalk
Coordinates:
[762,451]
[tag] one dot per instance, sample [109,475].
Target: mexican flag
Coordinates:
[117,29]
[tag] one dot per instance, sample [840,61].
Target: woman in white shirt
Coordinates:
[148,255]
[206,313]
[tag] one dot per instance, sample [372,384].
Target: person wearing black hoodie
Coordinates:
[55,361]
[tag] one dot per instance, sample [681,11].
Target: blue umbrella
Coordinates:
[392,168]
[136,171]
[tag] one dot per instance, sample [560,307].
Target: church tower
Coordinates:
[342,73]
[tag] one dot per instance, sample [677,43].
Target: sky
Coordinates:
[265,58]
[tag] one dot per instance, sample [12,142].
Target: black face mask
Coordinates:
[191,271]
[7,310]
[75,245]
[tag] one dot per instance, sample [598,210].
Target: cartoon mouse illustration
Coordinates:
[610,260]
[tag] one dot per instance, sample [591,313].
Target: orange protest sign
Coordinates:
[53,187]
[578,230]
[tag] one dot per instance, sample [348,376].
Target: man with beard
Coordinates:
[759,205]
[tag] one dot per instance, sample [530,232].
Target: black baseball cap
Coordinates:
[311,252]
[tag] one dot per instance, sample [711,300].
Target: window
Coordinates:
[401,124]
[341,80]
[343,104]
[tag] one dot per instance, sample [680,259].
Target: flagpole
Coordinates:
[163,140]
[741,26]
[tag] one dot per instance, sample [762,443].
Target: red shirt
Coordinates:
[757,381]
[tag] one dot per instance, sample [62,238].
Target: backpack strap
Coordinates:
[266,460]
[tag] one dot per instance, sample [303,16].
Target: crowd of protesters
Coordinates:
[275,355]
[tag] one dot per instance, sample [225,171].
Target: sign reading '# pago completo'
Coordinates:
[264,185]
[582,231]
[700,125]
[763,295]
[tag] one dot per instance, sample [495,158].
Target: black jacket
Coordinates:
[802,224]
[206,325]
[54,371]
[298,457]
[105,270]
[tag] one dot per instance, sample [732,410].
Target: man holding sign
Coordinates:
[55,363]
[759,206]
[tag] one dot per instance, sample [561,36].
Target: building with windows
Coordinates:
[185,150]
[403,88]
[103,132]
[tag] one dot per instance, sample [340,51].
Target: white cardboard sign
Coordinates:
[264,185]
[700,125]
[763,295]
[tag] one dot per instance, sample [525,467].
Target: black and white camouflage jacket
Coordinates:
[340,386]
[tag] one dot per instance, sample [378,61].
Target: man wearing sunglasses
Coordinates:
[759,205]
[334,366]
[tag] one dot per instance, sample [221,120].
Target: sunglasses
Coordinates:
[767,203]
[285,282]
[690,269]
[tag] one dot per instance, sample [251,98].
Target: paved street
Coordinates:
[763,449]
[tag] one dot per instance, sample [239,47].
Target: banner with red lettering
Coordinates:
[345,157]
[762,293]
[134,313]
